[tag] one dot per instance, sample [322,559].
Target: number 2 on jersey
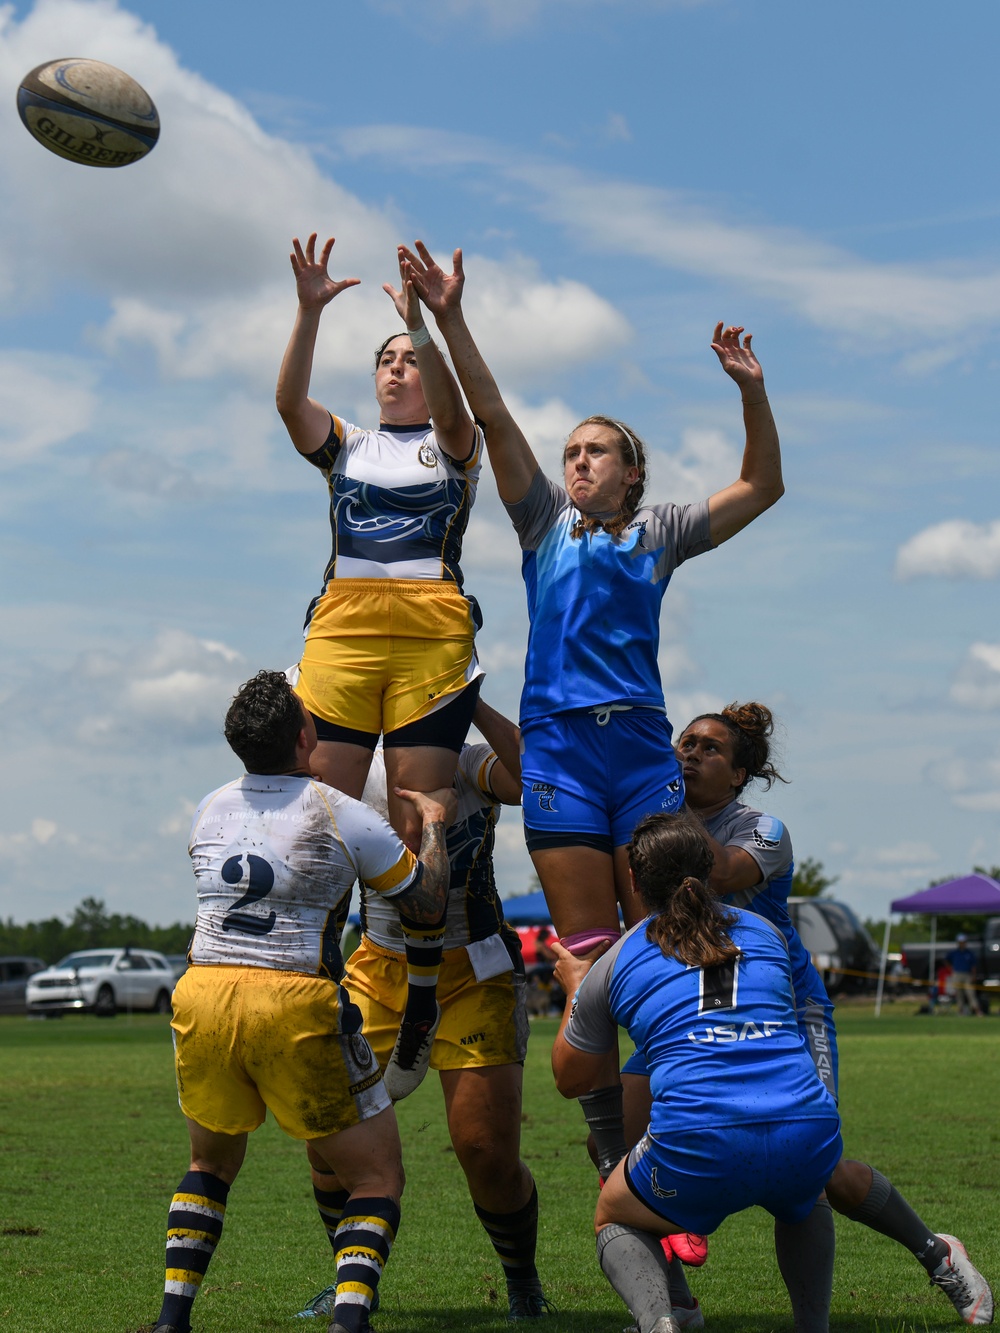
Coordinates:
[261,882]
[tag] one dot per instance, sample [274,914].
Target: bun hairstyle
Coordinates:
[751,727]
[633,451]
[671,861]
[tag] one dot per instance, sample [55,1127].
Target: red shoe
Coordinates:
[667,1248]
[689,1248]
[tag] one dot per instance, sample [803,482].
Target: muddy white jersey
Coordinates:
[274,859]
[474,908]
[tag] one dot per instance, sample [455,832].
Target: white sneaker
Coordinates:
[963,1284]
[410,1057]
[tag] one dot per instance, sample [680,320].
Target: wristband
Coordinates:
[419,337]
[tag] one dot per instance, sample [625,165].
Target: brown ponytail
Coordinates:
[671,860]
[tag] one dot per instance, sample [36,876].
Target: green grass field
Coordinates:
[92,1146]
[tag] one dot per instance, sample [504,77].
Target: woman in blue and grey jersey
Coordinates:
[596,562]
[738,1115]
[721,754]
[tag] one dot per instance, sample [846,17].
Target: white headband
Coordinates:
[631,439]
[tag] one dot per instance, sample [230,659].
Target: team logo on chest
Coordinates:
[426,455]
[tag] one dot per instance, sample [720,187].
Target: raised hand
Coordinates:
[312,280]
[406,300]
[440,292]
[738,361]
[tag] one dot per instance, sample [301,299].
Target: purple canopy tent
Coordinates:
[970,895]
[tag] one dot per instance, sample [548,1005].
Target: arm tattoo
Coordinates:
[426,902]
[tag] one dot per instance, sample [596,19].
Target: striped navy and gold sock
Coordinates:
[194,1227]
[331,1205]
[423,944]
[514,1237]
[364,1239]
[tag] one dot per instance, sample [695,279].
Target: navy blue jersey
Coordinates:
[722,1044]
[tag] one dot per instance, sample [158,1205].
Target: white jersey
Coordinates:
[399,506]
[474,910]
[275,858]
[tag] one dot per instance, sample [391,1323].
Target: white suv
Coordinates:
[103,981]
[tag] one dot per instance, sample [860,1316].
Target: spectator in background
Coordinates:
[962,962]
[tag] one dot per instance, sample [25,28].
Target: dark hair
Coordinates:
[633,450]
[671,861]
[263,723]
[751,727]
[403,333]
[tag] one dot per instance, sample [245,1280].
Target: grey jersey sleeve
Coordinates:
[686,529]
[761,836]
[591,1025]
[536,513]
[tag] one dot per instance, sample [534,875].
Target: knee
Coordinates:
[484,1156]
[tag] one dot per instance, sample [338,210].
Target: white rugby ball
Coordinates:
[88,112]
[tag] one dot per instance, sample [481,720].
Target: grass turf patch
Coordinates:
[92,1146]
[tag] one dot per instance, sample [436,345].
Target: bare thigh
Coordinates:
[617,1203]
[579,885]
[342,765]
[415,768]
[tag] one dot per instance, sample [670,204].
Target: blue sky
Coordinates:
[620,178]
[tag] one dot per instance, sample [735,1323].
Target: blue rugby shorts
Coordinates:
[597,772]
[702,1176]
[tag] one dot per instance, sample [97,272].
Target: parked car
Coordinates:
[845,955]
[102,981]
[14,974]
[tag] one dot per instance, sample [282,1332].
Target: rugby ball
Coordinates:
[88,112]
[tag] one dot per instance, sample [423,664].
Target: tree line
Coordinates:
[91,927]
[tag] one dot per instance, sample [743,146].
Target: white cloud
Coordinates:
[26,843]
[616,129]
[705,462]
[189,247]
[954,549]
[831,287]
[977,684]
[125,699]
[43,402]
[904,854]
[984,802]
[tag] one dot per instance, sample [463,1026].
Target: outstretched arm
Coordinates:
[453,426]
[513,463]
[306,420]
[760,484]
[505,738]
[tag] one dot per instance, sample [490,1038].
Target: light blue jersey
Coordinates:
[594,601]
[722,1044]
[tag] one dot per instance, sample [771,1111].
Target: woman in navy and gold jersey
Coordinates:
[389,644]
[389,640]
